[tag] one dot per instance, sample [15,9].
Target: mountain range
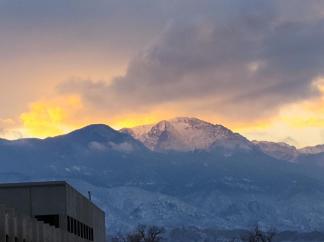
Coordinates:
[179,173]
[189,134]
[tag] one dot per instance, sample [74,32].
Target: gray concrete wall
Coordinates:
[53,198]
[48,200]
[26,228]
[18,198]
[35,199]
[80,208]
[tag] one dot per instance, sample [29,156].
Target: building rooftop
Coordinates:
[57,204]
[45,184]
[34,184]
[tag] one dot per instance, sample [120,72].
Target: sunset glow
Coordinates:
[67,74]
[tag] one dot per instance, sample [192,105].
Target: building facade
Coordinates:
[56,205]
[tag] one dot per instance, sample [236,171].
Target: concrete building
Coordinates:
[56,204]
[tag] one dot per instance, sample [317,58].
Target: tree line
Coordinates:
[157,234]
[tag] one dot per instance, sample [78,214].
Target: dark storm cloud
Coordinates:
[107,26]
[239,58]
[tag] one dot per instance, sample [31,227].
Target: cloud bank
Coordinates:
[245,63]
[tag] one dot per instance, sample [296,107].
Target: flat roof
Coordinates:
[33,184]
[46,184]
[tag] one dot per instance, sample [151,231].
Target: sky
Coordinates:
[255,66]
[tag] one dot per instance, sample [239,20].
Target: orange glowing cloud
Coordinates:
[299,123]
[50,117]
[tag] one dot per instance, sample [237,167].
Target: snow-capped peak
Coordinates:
[137,131]
[280,150]
[186,134]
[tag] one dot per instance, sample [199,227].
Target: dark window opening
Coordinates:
[80,229]
[79,226]
[7,238]
[53,220]
[91,234]
[69,224]
[75,226]
[72,224]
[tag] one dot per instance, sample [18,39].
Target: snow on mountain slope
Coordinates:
[128,206]
[281,151]
[187,134]
[202,189]
[138,131]
[312,150]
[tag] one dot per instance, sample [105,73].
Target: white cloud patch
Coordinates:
[96,146]
[103,147]
[122,147]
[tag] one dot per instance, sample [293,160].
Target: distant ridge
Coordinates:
[312,149]
[186,134]
[280,150]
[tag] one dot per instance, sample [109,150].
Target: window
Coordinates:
[53,220]
[68,224]
[80,229]
[74,226]
[71,225]
[91,234]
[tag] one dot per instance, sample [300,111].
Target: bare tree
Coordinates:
[142,234]
[257,235]
[154,234]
